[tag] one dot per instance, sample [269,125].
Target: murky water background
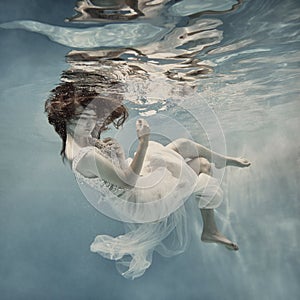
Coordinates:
[249,62]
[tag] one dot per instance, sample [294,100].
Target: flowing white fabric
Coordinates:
[166,182]
[133,251]
[152,221]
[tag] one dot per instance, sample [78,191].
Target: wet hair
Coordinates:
[65,100]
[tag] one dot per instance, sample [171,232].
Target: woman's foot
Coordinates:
[219,239]
[238,162]
[233,161]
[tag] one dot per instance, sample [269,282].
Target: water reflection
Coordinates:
[114,10]
[125,10]
[170,63]
[160,43]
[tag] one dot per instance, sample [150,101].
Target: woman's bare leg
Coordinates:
[210,233]
[190,149]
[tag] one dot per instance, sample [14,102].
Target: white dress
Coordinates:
[153,211]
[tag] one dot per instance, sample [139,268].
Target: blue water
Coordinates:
[46,225]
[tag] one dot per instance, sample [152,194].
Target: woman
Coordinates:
[147,191]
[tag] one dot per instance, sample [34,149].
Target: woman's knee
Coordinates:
[205,166]
[200,165]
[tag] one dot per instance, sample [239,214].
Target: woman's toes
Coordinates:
[245,162]
[233,246]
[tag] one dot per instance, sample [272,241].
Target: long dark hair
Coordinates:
[64,101]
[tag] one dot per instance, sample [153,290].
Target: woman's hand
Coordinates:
[116,148]
[142,130]
[124,176]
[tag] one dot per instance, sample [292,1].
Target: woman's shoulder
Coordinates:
[81,160]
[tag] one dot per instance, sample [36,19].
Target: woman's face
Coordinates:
[85,123]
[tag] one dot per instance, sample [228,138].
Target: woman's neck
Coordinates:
[74,145]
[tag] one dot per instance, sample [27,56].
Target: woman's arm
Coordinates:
[143,132]
[96,164]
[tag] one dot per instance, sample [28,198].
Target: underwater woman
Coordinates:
[149,189]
